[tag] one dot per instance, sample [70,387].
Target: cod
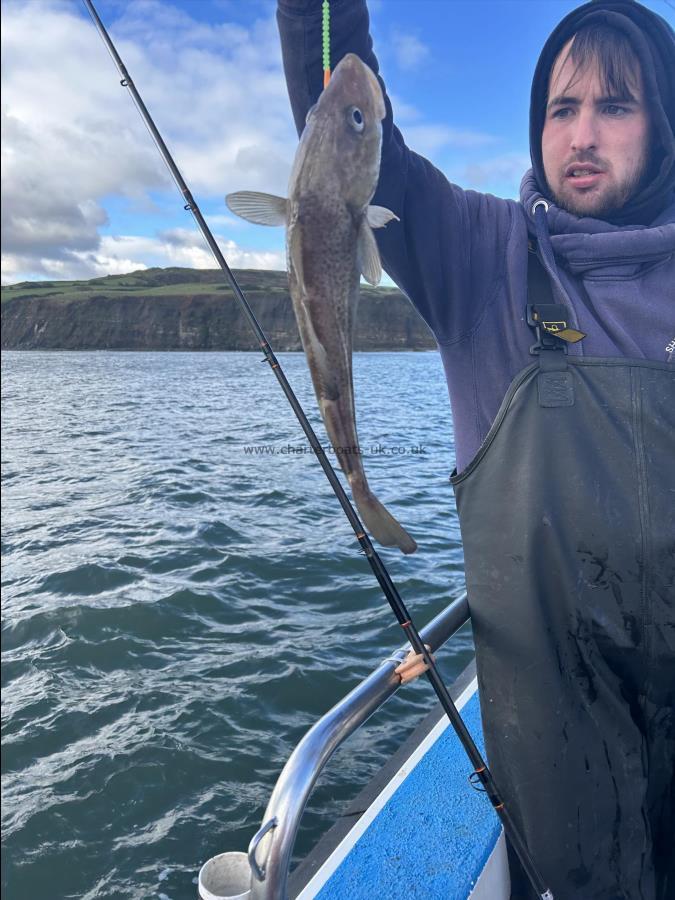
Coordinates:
[329,245]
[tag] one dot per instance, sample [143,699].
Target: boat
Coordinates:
[417,830]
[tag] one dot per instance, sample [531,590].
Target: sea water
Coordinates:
[183,598]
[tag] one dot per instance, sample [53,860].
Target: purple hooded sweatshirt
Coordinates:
[462,256]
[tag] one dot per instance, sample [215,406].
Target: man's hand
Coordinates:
[412,666]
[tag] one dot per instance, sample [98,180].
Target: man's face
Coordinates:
[594,147]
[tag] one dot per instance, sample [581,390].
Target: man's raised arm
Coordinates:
[426,253]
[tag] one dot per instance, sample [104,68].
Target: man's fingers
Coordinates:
[415,672]
[412,666]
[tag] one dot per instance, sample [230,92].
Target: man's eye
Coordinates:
[562,113]
[612,109]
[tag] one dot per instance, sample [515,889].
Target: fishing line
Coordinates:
[481,772]
[325,38]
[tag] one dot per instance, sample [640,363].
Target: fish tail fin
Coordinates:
[381,524]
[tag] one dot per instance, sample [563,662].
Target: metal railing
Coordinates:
[270,850]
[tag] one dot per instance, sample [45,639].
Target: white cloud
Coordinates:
[72,138]
[430,139]
[220,221]
[73,142]
[403,111]
[409,51]
[116,255]
[501,173]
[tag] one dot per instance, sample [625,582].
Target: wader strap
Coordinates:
[550,323]
[538,283]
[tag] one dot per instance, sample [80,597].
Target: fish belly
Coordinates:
[324,283]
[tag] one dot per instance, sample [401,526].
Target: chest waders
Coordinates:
[567,516]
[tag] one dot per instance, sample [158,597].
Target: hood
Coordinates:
[582,243]
[654,43]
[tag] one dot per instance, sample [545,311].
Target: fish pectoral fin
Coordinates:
[368,254]
[261,209]
[379,216]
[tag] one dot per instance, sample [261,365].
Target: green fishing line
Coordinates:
[325,27]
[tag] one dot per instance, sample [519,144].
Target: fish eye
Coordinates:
[355,118]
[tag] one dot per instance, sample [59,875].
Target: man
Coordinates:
[555,320]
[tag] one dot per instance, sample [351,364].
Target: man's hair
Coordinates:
[612,52]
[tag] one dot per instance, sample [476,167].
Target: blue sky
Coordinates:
[84,190]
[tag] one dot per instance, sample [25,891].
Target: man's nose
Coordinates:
[584,135]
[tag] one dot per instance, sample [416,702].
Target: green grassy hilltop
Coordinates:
[148,282]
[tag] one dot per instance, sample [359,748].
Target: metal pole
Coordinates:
[481,771]
[271,848]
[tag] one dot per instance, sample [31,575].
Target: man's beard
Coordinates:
[610,202]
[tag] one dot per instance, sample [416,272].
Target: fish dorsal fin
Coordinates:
[368,254]
[378,216]
[261,209]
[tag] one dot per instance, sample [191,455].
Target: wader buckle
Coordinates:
[549,321]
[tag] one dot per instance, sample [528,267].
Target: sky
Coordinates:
[85,192]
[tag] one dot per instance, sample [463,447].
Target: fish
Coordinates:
[329,244]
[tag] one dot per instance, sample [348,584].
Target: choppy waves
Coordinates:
[177,611]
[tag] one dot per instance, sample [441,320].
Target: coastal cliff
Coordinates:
[186,309]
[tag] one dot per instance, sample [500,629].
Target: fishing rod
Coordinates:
[481,774]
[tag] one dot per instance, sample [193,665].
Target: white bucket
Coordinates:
[225,877]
